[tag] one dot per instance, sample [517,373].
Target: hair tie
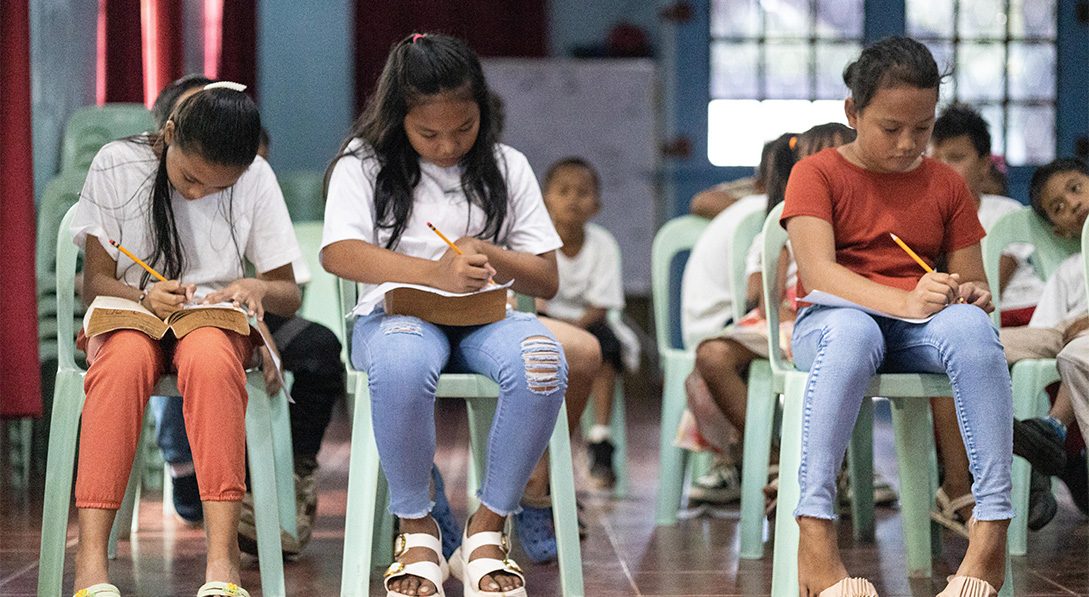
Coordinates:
[793,141]
[226,85]
[417,36]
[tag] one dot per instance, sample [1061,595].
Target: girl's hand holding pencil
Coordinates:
[463,268]
[165,296]
[936,290]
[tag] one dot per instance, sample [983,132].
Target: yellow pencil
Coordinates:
[452,245]
[918,259]
[908,250]
[137,260]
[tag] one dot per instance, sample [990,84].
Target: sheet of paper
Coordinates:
[817,297]
[374,295]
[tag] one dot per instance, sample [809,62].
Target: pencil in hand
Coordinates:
[917,259]
[137,260]
[452,245]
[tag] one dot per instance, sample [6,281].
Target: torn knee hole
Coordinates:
[401,325]
[541,356]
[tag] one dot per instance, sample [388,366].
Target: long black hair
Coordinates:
[220,125]
[419,66]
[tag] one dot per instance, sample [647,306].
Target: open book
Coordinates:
[486,305]
[817,297]
[108,313]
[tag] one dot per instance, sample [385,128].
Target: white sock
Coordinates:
[599,433]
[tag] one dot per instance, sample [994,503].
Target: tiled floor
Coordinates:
[625,553]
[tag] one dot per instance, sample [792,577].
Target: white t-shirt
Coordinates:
[438,198]
[589,279]
[706,291]
[754,261]
[248,220]
[1063,298]
[1024,286]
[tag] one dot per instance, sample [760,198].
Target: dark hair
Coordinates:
[891,62]
[823,136]
[780,161]
[1043,175]
[959,119]
[572,162]
[420,66]
[164,103]
[223,127]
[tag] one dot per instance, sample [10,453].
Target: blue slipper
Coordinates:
[451,531]
[536,533]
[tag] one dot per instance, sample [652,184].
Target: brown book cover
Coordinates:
[108,313]
[478,308]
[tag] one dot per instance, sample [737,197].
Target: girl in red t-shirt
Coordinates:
[841,206]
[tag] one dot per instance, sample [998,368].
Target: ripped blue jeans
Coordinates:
[842,348]
[403,357]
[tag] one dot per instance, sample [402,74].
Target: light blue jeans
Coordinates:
[843,348]
[403,357]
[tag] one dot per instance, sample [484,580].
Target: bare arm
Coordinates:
[1007,264]
[533,275]
[361,261]
[99,278]
[967,265]
[814,250]
[709,203]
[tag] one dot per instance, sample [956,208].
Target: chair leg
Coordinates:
[359,517]
[784,578]
[284,462]
[671,458]
[1027,386]
[481,412]
[620,440]
[913,443]
[759,417]
[259,438]
[860,457]
[382,541]
[564,509]
[64,426]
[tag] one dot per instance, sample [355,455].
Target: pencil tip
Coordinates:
[894,236]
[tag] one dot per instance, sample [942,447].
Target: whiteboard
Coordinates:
[602,111]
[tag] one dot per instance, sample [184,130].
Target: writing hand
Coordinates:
[932,293]
[164,298]
[248,293]
[976,294]
[467,272]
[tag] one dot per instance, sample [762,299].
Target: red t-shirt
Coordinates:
[930,208]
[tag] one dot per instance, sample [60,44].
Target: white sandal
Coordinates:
[850,587]
[968,586]
[427,570]
[470,572]
[103,589]
[221,589]
[945,511]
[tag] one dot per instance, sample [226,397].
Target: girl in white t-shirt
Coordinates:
[194,203]
[425,150]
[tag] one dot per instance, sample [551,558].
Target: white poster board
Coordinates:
[602,111]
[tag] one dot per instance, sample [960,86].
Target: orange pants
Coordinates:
[125,366]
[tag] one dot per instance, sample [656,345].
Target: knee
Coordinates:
[215,357]
[582,353]
[855,329]
[717,355]
[1074,357]
[127,354]
[545,366]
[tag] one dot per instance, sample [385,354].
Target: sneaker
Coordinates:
[306,509]
[1039,442]
[187,499]
[601,464]
[1076,478]
[1042,506]
[720,486]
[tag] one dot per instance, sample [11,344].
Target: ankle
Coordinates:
[426,525]
[485,520]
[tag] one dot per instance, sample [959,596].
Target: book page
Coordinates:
[108,313]
[376,294]
[817,297]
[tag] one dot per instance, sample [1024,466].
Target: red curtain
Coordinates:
[238,54]
[20,386]
[491,27]
[162,44]
[120,52]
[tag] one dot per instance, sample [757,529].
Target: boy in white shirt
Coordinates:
[1059,193]
[590,286]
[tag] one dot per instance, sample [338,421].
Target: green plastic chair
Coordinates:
[368,528]
[675,238]
[321,295]
[909,394]
[91,127]
[68,400]
[60,194]
[1031,376]
[618,418]
[303,194]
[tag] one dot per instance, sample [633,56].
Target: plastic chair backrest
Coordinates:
[744,233]
[1024,226]
[302,193]
[91,127]
[677,236]
[59,195]
[775,237]
[67,252]
[321,303]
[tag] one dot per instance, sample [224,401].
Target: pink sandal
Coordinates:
[968,586]
[850,587]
